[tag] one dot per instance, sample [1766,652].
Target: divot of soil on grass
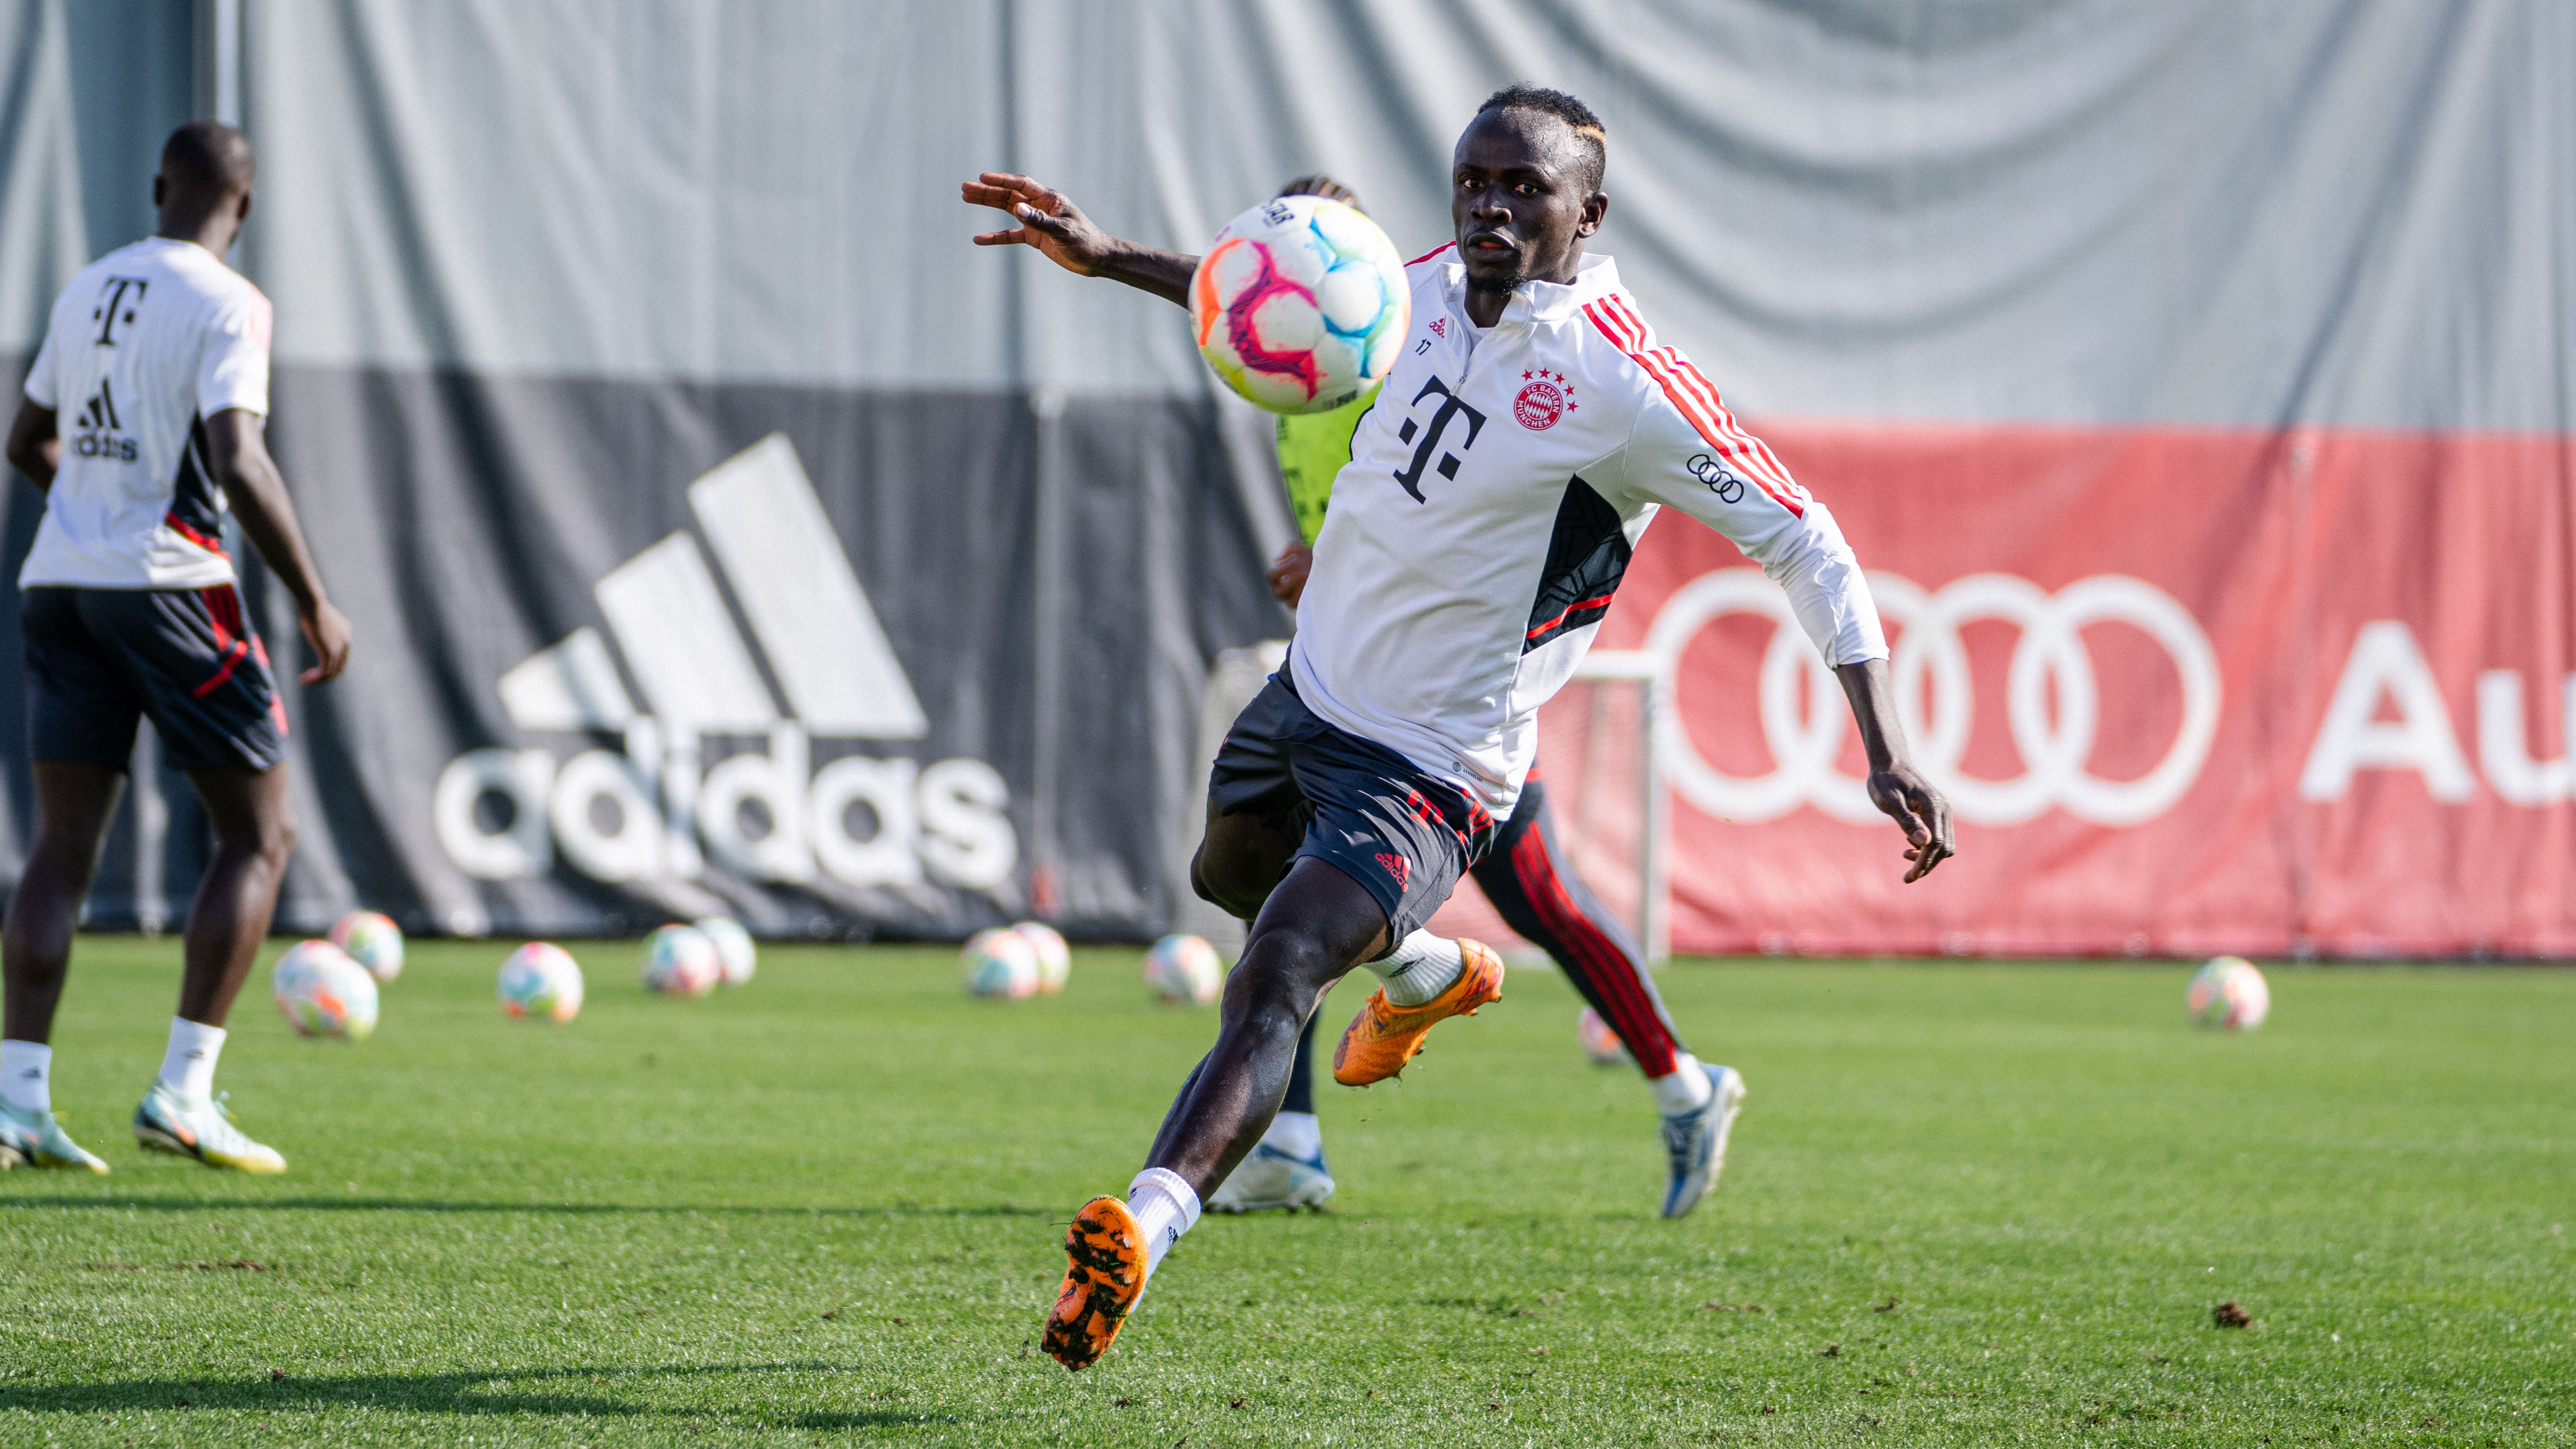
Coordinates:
[2229,1315]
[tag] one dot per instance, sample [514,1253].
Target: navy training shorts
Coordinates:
[100,659]
[1405,836]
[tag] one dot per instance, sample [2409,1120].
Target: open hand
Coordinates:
[1907,798]
[1048,220]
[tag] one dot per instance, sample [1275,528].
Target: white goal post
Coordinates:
[1644,672]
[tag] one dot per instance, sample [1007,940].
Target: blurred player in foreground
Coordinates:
[1531,882]
[1474,543]
[157,357]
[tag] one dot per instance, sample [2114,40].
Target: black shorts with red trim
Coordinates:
[98,660]
[1364,809]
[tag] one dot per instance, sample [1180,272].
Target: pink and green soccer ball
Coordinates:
[372,940]
[1300,304]
[1184,970]
[1000,965]
[321,992]
[540,980]
[1600,1043]
[2229,994]
[1055,958]
[681,961]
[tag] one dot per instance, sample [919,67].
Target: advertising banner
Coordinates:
[2187,691]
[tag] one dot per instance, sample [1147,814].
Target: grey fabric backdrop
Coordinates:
[539,263]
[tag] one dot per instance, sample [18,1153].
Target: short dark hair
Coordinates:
[208,157]
[1577,116]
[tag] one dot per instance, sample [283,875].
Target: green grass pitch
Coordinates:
[1968,1204]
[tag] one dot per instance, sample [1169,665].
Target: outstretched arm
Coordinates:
[238,439]
[1895,785]
[1049,221]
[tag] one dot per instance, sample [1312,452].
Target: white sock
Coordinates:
[1165,1207]
[27,1075]
[1687,1089]
[1420,968]
[1299,1134]
[188,1067]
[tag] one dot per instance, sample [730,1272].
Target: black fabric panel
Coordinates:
[1586,556]
[461,522]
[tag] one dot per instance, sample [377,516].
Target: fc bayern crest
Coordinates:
[1544,398]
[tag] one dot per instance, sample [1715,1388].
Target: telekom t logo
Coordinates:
[1450,407]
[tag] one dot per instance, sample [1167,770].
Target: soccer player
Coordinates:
[1532,885]
[1530,423]
[156,357]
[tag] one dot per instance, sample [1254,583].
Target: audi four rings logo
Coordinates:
[1713,473]
[1930,669]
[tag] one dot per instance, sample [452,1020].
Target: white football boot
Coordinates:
[1271,1178]
[35,1139]
[203,1130]
[1696,1142]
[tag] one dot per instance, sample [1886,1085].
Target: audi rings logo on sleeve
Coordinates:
[1930,674]
[1715,474]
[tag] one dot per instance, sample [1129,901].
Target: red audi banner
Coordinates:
[2188,691]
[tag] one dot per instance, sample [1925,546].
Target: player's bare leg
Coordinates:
[75,801]
[1314,928]
[74,804]
[254,836]
[1309,929]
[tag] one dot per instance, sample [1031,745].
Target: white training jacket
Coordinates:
[1493,494]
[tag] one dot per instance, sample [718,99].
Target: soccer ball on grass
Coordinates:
[1055,958]
[372,940]
[735,955]
[321,992]
[1300,304]
[541,980]
[2229,994]
[1000,964]
[1184,970]
[681,961]
[1600,1043]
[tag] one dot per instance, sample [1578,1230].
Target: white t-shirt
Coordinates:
[146,343]
[1486,516]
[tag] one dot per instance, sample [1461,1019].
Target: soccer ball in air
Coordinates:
[541,980]
[321,992]
[1000,964]
[1300,304]
[735,955]
[1055,959]
[373,941]
[2229,994]
[681,961]
[1600,1043]
[1184,970]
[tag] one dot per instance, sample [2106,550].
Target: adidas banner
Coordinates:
[635,653]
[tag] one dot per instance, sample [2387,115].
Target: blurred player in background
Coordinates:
[145,417]
[1531,882]
[1444,606]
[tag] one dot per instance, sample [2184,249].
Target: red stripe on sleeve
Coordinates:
[1697,399]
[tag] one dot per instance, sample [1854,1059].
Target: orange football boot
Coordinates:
[1104,1275]
[1383,1037]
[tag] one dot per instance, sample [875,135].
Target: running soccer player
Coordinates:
[157,357]
[1530,424]
[1531,882]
